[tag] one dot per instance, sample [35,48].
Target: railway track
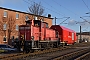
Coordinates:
[85,56]
[73,55]
[24,55]
[50,54]
[68,54]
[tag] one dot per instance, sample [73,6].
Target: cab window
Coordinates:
[37,23]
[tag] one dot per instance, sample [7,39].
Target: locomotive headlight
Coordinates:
[32,37]
[28,43]
[14,43]
[21,37]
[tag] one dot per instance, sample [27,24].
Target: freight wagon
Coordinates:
[67,36]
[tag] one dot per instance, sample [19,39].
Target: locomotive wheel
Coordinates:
[65,44]
[31,51]
[54,45]
[27,50]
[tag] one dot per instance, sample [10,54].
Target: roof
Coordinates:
[64,28]
[83,33]
[23,12]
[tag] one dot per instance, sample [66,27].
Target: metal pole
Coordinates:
[80,35]
[55,20]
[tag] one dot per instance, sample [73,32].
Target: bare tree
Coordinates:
[3,26]
[2,32]
[36,8]
[9,28]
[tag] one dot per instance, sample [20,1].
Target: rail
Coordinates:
[85,56]
[72,55]
[24,55]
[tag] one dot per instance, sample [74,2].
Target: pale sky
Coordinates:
[58,8]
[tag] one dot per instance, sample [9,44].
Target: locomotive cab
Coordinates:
[29,34]
[37,23]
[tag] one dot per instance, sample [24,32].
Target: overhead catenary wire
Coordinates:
[58,11]
[66,8]
[53,8]
[46,7]
[43,6]
[64,20]
[86,5]
[85,20]
[52,11]
[85,29]
[72,11]
[26,2]
[88,9]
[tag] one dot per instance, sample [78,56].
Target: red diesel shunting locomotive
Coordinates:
[37,35]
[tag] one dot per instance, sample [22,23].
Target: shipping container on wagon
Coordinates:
[66,35]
